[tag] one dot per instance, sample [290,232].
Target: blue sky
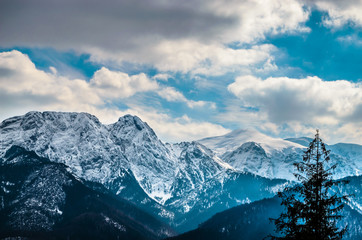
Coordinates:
[192,69]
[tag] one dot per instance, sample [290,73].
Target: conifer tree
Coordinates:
[312,209]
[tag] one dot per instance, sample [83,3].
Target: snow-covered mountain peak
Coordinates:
[77,139]
[132,127]
[254,152]
[35,121]
[236,138]
[195,150]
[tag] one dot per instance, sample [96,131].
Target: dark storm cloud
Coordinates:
[103,24]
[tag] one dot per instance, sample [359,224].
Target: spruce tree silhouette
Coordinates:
[312,208]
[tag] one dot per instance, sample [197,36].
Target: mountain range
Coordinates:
[182,184]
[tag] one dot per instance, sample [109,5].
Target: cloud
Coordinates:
[23,77]
[25,88]
[352,39]
[191,56]
[113,84]
[172,36]
[126,24]
[310,102]
[340,12]
[172,95]
[349,132]
[162,77]
[108,24]
[256,18]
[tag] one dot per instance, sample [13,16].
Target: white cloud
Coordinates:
[201,58]
[172,95]
[309,102]
[113,84]
[162,77]
[189,55]
[341,12]
[21,76]
[309,99]
[255,18]
[352,39]
[349,132]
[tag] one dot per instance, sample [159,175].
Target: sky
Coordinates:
[190,69]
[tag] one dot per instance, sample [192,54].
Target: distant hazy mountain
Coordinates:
[41,199]
[182,184]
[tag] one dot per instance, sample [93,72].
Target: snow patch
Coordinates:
[120,189]
[278,188]
[246,201]
[114,223]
